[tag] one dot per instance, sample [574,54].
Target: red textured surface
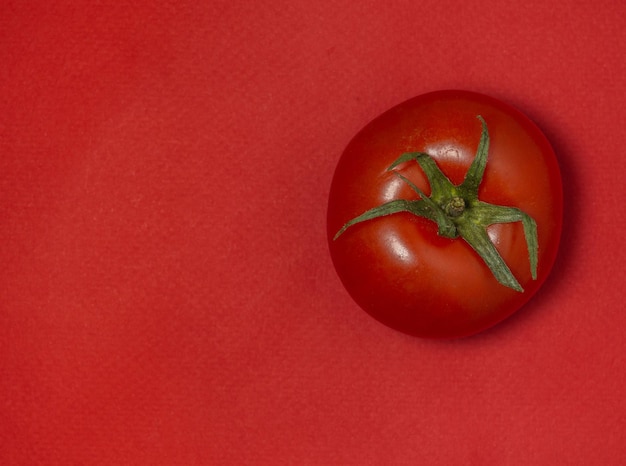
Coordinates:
[166,295]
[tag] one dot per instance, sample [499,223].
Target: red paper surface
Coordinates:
[166,294]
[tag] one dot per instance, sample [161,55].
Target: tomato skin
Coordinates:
[396,267]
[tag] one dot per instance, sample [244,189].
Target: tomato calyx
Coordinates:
[458,212]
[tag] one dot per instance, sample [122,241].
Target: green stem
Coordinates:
[458,211]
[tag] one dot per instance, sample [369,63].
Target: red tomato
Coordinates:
[410,271]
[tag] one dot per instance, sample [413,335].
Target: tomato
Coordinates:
[445,214]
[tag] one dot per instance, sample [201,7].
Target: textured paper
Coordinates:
[166,295]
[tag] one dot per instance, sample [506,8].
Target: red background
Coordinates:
[166,291]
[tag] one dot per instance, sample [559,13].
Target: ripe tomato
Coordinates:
[445,214]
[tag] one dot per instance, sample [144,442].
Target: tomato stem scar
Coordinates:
[455,207]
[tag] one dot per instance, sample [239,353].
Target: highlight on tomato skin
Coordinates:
[445,214]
